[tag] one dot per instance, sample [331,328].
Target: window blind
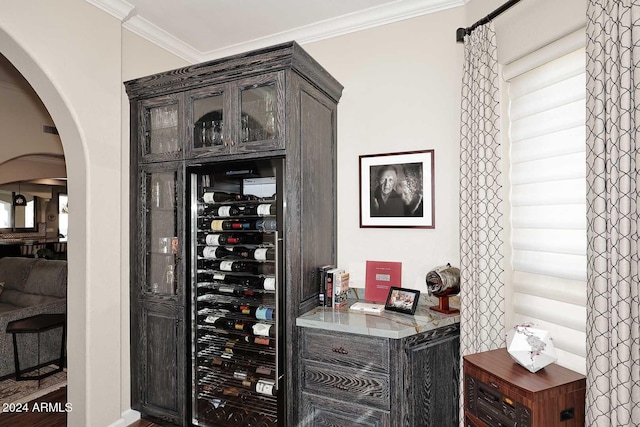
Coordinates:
[548,197]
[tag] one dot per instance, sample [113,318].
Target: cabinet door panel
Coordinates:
[320,412]
[160,212]
[161,351]
[160,137]
[260,122]
[210,121]
[434,378]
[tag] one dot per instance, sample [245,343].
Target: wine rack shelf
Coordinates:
[235,305]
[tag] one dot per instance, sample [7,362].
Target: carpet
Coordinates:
[12,391]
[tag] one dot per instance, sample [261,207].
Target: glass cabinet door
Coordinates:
[209,124]
[161,233]
[208,114]
[160,138]
[261,110]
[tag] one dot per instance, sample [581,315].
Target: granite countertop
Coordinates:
[388,324]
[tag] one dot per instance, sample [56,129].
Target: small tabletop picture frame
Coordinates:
[402,300]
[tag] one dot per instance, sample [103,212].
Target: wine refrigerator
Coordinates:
[236,276]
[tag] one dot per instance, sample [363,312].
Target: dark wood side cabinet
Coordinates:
[500,392]
[272,105]
[355,380]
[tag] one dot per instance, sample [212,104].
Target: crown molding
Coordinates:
[398,10]
[117,8]
[368,18]
[165,40]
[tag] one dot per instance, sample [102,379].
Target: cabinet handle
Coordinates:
[340,350]
[494,385]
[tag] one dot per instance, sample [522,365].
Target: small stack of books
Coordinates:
[334,286]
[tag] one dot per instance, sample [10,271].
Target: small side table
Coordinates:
[37,324]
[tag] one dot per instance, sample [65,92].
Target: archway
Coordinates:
[77,189]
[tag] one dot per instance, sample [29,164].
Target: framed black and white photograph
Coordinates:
[402,300]
[396,190]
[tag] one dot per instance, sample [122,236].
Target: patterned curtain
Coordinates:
[613,303]
[481,294]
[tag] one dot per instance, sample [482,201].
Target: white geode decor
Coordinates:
[530,347]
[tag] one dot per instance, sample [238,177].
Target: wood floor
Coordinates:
[52,415]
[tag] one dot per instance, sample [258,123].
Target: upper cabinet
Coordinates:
[240,116]
[160,128]
[223,107]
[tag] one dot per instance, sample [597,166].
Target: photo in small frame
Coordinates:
[402,300]
[397,190]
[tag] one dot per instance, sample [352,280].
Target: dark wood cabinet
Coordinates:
[498,391]
[160,353]
[270,105]
[356,380]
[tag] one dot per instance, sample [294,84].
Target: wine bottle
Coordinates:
[212,239]
[231,266]
[262,209]
[244,326]
[214,252]
[269,284]
[218,211]
[265,268]
[264,370]
[231,391]
[217,225]
[264,330]
[220,322]
[268,224]
[220,363]
[247,309]
[233,239]
[259,254]
[238,225]
[219,196]
[264,313]
[267,387]
[266,209]
[240,375]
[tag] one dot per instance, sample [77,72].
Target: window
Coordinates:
[63,216]
[17,218]
[548,194]
[5,214]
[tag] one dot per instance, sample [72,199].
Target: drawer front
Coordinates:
[347,384]
[346,350]
[499,385]
[323,412]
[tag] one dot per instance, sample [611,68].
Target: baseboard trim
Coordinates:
[128,417]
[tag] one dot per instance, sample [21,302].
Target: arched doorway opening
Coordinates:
[76,162]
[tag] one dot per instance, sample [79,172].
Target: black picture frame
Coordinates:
[397,190]
[402,300]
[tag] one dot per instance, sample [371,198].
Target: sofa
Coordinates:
[30,286]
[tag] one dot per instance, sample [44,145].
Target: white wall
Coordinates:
[402,93]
